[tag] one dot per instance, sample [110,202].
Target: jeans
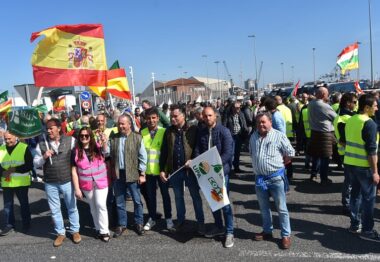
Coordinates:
[362,184]
[227,213]
[151,186]
[177,182]
[346,190]
[320,164]
[53,190]
[277,191]
[22,196]
[237,148]
[120,189]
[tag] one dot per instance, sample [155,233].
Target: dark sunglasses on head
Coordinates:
[84,136]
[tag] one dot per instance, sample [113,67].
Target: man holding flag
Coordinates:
[214,134]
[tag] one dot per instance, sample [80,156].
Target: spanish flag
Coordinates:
[70,55]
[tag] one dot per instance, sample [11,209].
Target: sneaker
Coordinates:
[151,223]
[139,229]
[201,230]
[59,240]
[170,224]
[215,232]
[370,235]
[229,241]
[6,230]
[37,179]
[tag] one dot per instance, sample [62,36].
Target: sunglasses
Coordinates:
[84,136]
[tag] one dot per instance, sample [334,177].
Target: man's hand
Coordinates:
[188,163]
[9,171]
[48,154]
[163,177]
[376,178]
[287,160]
[141,180]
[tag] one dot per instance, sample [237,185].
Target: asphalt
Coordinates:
[319,229]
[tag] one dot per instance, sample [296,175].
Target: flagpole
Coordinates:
[370,39]
[133,86]
[154,90]
[358,72]
[80,106]
[172,174]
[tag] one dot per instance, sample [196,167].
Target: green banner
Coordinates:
[24,123]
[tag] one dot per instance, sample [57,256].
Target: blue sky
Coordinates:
[169,37]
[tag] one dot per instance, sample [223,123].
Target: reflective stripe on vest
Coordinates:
[93,170]
[90,178]
[306,124]
[153,147]
[355,153]
[17,158]
[287,115]
[340,119]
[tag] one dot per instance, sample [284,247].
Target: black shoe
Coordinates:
[158,215]
[326,182]
[238,170]
[25,228]
[119,231]
[140,230]
[6,230]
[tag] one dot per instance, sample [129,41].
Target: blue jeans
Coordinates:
[237,149]
[276,190]
[362,184]
[177,182]
[120,187]
[227,213]
[151,187]
[346,190]
[52,192]
[22,196]
[320,164]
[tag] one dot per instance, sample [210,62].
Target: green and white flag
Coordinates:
[208,168]
[24,123]
[3,97]
[348,59]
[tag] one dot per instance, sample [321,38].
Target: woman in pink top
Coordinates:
[90,178]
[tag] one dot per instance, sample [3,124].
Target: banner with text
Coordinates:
[208,168]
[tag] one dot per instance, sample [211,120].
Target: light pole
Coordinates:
[314,65]
[254,54]
[217,73]
[154,89]
[283,75]
[370,40]
[133,85]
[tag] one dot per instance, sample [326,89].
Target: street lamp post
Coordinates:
[208,84]
[133,86]
[154,90]
[292,74]
[254,54]
[314,65]
[217,73]
[283,75]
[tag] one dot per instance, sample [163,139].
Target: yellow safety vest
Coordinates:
[15,159]
[335,107]
[287,115]
[355,153]
[306,123]
[153,148]
[340,119]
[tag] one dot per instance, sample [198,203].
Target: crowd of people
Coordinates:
[107,159]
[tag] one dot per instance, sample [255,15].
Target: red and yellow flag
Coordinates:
[59,104]
[117,83]
[6,106]
[70,55]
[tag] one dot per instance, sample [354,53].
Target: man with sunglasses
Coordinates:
[54,155]
[346,110]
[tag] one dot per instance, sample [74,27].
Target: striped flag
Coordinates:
[348,59]
[70,55]
[6,106]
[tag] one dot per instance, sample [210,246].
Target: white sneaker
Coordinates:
[37,179]
[151,223]
[170,224]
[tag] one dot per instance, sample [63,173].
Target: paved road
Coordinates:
[319,230]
